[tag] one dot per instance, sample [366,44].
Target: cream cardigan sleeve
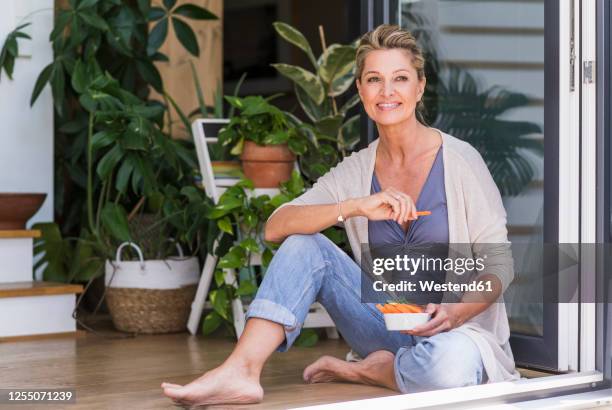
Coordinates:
[486,218]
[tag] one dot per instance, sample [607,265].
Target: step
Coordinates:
[16,254]
[37,308]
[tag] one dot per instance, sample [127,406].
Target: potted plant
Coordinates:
[265,138]
[133,195]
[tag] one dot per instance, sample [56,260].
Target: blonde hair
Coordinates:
[388,37]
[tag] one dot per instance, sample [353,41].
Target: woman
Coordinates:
[376,193]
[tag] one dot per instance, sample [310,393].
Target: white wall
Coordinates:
[26,134]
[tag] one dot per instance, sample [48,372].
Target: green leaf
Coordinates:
[79,77]
[149,72]
[41,81]
[330,125]
[246,288]
[341,84]
[309,82]
[194,12]
[295,185]
[353,101]
[62,20]
[307,338]
[114,219]
[58,81]
[237,149]
[276,138]
[168,4]
[84,4]
[297,146]
[219,277]
[266,257]
[157,36]
[198,88]
[350,132]
[250,244]
[109,161]
[225,224]
[225,206]
[336,61]
[235,258]
[156,13]
[211,322]
[123,175]
[313,110]
[278,200]
[102,139]
[220,302]
[296,38]
[186,36]
[94,21]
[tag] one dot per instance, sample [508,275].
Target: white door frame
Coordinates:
[588,211]
[569,168]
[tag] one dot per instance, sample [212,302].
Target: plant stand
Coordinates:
[317,317]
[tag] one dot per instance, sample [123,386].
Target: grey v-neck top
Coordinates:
[426,229]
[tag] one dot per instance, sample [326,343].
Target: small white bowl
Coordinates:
[405,321]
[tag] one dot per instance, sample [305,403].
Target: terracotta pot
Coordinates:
[17,208]
[267,165]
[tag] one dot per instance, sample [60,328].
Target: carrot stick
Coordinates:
[423,213]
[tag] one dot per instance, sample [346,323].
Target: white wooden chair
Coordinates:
[317,317]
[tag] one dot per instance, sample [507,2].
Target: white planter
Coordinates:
[151,296]
[172,273]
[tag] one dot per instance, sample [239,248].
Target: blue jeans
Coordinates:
[309,268]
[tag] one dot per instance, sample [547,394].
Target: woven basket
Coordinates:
[152,296]
[150,310]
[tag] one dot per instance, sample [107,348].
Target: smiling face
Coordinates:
[389,86]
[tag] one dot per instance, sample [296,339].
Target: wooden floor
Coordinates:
[126,373]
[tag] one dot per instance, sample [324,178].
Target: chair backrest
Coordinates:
[205,132]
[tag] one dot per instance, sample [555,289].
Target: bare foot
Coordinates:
[225,384]
[376,369]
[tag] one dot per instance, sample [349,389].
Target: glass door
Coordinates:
[493,80]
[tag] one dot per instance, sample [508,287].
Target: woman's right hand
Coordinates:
[388,204]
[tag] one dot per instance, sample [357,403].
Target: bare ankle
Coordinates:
[244,367]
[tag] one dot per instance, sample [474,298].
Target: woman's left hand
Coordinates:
[443,319]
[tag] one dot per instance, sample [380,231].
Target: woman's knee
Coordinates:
[433,363]
[299,250]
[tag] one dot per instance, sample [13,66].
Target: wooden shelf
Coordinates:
[19,289]
[31,233]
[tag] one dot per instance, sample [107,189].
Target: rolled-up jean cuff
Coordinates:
[272,311]
[399,380]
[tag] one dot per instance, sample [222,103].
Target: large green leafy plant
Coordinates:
[129,160]
[109,36]
[114,162]
[332,132]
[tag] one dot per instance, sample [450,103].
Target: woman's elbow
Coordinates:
[271,234]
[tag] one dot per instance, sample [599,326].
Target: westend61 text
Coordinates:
[431,286]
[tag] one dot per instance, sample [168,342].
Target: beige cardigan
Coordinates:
[475,215]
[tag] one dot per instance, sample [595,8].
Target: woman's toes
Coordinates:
[170,385]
